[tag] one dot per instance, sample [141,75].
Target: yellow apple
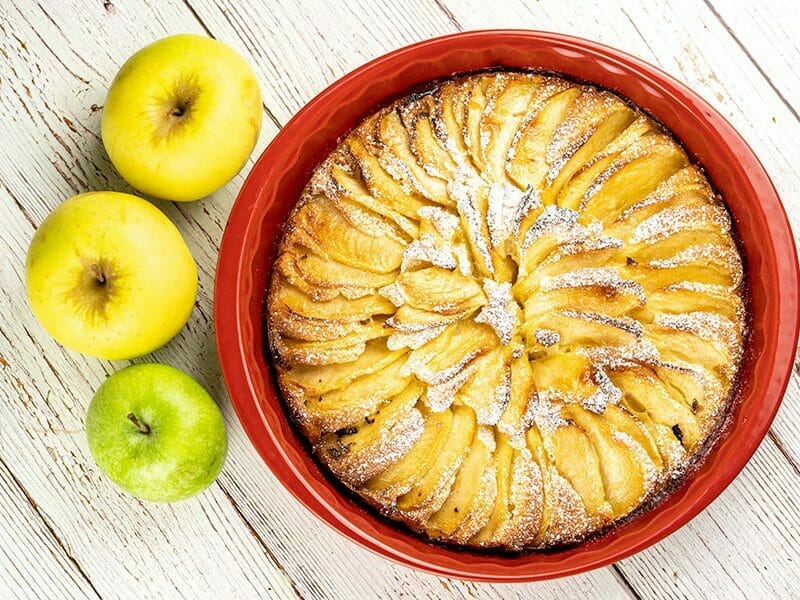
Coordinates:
[109,275]
[181,117]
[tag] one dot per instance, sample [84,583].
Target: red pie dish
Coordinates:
[255,227]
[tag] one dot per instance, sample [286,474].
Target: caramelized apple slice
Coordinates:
[481,92]
[338,309]
[569,374]
[360,398]
[499,125]
[449,120]
[353,188]
[522,388]
[632,182]
[526,499]
[622,475]
[591,123]
[402,163]
[708,339]
[575,329]
[682,298]
[419,119]
[528,165]
[363,449]
[446,356]
[438,290]
[381,185]
[290,324]
[535,445]
[575,458]
[428,494]
[643,392]
[341,350]
[403,474]
[320,226]
[317,380]
[471,500]
[496,532]
[488,390]
[621,420]
[324,279]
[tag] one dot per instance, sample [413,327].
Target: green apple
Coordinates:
[156,433]
[109,275]
[181,117]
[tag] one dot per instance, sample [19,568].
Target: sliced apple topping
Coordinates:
[507,310]
[430,492]
[469,506]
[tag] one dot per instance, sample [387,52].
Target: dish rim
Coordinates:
[236,334]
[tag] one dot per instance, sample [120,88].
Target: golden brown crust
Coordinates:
[507,311]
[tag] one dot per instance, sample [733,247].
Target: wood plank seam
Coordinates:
[191,9]
[38,511]
[752,59]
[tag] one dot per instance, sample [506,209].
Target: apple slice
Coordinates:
[570,374]
[340,407]
[446,355]
[341,350]
[338,309]
[448,120]
[319,225]
[633,181]
[439,290]
[526,499]
[481,92]
[291,324]
[469,505]
[317,380]
[366,447]
[347,183]
[381,185]
[497,126]
[325,279]
[402,162]
[404,474]
[428,494]
[497,530]
[591,123]
[643,392]
[419,118]
[716,349]
[679,298]
[522,388]
[547,496]
[576,459]
[621,420]
[581,330]
[528,165]
[488,390]
[622,475]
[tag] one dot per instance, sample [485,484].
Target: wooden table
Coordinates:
[66,531]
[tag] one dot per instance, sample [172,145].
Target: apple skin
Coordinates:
[181,117]
[185,447]
[109,275]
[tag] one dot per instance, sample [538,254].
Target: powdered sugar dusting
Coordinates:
[500,313]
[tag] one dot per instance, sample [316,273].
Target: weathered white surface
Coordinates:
[65,531]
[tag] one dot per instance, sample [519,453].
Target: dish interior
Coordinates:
[507,311]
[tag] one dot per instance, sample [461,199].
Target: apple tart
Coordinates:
[507,311]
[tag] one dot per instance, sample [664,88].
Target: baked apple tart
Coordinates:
[507,311]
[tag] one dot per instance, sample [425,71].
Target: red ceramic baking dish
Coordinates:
[255,226]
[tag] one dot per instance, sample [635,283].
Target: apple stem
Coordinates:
[143,427]
[98,274]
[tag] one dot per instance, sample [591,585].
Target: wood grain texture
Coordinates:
[247,536]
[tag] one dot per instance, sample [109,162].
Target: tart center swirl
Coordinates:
[507,310]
